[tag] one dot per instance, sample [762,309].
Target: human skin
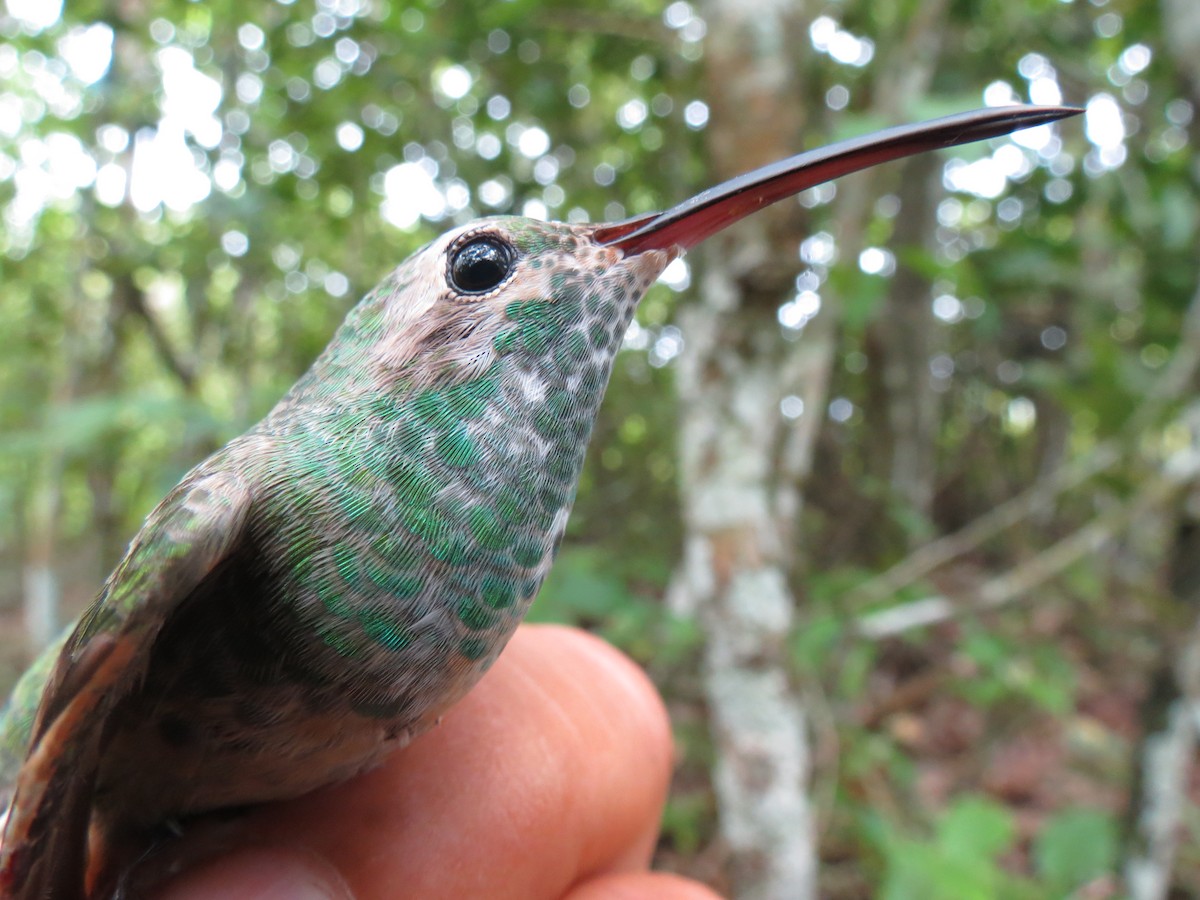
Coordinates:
[546,781]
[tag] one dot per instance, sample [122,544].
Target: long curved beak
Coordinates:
[689,223]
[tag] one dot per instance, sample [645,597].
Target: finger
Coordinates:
[553,770]
[641,886]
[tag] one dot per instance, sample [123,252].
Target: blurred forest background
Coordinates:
[894,492]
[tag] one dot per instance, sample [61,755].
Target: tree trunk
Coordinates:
[908,337]
[41,604]
[1166,754]
[743,465]
[735,370]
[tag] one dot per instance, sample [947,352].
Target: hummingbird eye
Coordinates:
[481,264]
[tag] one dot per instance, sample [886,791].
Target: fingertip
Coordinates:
[629,702]
[623,748]
[641,886]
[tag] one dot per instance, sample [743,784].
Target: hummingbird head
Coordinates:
[507,290]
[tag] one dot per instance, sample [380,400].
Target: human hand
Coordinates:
[546,781]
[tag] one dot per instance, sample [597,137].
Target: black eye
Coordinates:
[481,264]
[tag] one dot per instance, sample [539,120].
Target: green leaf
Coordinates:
[975,827]
[1075,846]
[580,586]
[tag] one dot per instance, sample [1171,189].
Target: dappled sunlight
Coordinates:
[677,275]
[797,312]
[88,51]
[1106,130]
[410,193]
[842,46]
[164,171]
[36,15]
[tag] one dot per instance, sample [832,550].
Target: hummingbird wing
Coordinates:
[184,541]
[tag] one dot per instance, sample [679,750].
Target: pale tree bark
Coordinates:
[1167,756]
[734,574]
[742,464]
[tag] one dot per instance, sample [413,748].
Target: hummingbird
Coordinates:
[317,593]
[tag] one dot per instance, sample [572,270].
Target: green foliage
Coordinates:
[817,640]
[1008,672]
[864,295]
[589,588]
[581,585]
[683,822]
[963,859]
[960,861]
[1074,847]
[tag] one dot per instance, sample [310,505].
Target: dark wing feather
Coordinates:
[44,855]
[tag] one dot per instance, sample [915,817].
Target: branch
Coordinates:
[1180,470]
[134,299]
[1171,385]
[1030,501]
